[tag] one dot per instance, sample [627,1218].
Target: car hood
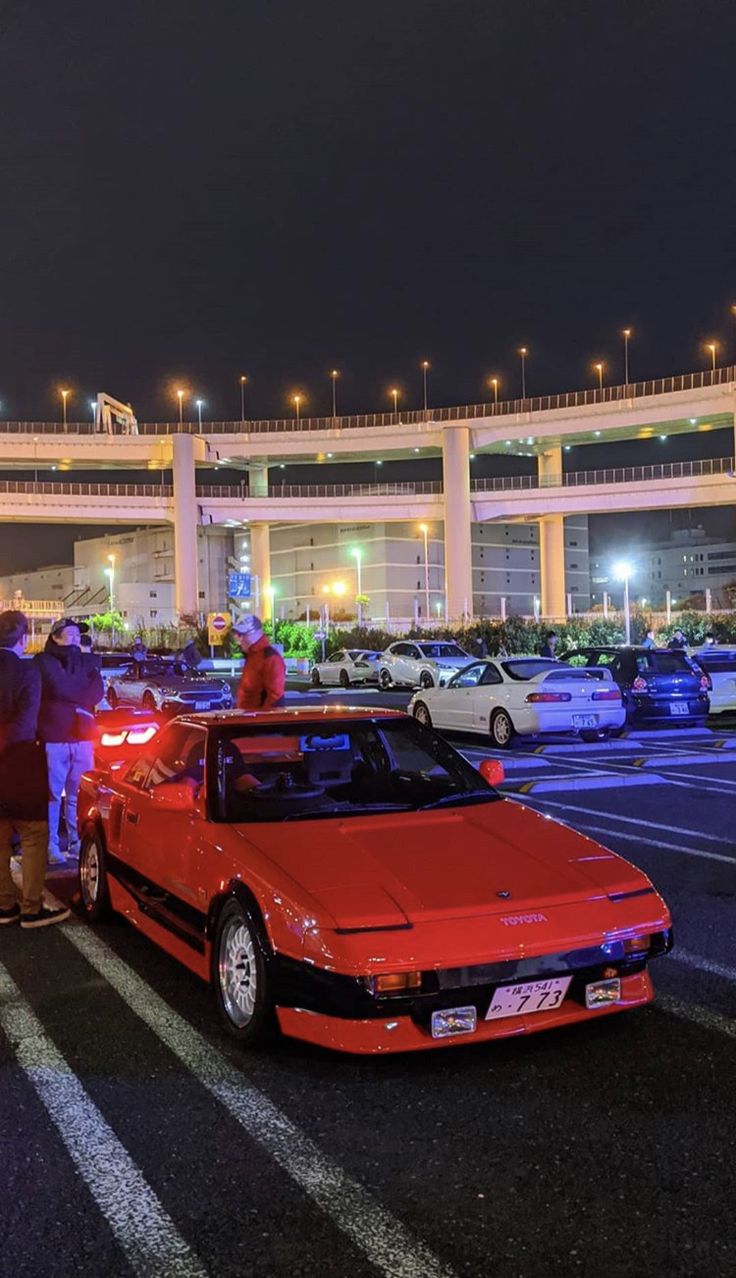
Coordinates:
[396,869]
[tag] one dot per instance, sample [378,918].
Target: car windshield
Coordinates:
[151,669]
[436,650]
[528,667]
[301,771]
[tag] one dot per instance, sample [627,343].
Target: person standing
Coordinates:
[549,645]
[71,687]
[263,679]
[649,640]
[23,781]
[678,640]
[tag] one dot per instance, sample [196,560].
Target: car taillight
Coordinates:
[706,683]
[549,696]
[639,684]
[608,694]
[129,736]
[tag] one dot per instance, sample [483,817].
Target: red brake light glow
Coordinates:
[549,696]
[639,684]
[129,736]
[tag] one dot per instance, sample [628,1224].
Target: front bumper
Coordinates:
[402,1033]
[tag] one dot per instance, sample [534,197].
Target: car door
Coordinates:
[410,664]
[397,661]
[331,668]
[484,696]
[129,688]
[453,706]
[155,841]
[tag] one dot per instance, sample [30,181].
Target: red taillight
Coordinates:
[608,694]
[639,684]
[549,696]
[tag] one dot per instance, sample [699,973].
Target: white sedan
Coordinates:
[524,695]
[420,664]
[349,665]
[719,662]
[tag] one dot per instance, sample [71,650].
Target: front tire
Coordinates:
[316,681]
[93,886]
[502,729]
[426,680]
[148,701]
[384,680]
[113,699]
[240,975]
[422,715]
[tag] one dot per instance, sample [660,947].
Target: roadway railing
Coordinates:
[504,408]
[422,487]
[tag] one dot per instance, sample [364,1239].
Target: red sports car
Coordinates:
[348,875]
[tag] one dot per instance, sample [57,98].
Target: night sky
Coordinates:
[195,191]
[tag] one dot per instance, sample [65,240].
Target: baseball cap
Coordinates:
[64,623]
[247,625]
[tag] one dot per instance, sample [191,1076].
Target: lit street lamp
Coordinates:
[626,334]
[622,571]
[357,554]
[297,401]
[334,376]
[64,397]
[493,383]
[93,409]
[199,403]
[395,397]
[424,530]
[712,347]
[599,370]
[180,397]
[425,369]
[243,380]
[523,352]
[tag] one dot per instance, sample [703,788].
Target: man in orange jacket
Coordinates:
[264,674]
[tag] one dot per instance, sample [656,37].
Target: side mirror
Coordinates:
[492,771]
[175,796]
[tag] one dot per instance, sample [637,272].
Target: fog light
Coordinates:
[454,1020]
[395,983]
[599,993]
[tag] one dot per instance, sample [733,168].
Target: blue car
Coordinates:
[658,685]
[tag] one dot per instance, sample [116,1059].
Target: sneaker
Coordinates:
[56,858]
[10,916]
[44,917]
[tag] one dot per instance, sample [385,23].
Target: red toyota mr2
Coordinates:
[348,875]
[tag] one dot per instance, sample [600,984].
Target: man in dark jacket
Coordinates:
[23,783]
[71,687]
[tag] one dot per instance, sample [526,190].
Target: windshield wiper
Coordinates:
[465,796]
[319,814]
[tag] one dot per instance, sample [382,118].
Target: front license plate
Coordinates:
[585,721]
[201,705]
[679,707]
[532,996]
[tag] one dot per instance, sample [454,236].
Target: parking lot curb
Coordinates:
[568,785]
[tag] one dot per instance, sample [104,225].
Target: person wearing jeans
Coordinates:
[71,687]
[23,782]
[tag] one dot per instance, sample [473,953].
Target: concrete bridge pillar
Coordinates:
[552,543]
[258,479]
[260,552]
[185,526]
[458,552]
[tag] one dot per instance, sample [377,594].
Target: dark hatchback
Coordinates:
[657,684]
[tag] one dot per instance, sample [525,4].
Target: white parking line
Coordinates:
[146,1234]
[637,821]
[701,1016]
[702,964]
[379,1235]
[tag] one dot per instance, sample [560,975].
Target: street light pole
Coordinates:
[599,370]
[626,336]
[523,352]
[494,384]
[424,530]
[199,412]
[622,572]
[395,398]
[297,403]
[180,397]
[712,347]
[111,575]
[425,367]
[358,556]
[64,396]
[334,375]
[243,380]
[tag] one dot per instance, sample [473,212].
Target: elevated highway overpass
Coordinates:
[539,427]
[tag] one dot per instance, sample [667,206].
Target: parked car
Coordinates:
[718,662]
[657,684]
[168,687]
[456,916]
[524,695]
[349,665]
[420,664]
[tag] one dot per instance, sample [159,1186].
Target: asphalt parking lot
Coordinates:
[603,1150]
